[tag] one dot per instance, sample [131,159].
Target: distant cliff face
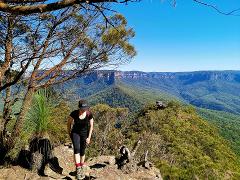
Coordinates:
[110,76]
[107,76]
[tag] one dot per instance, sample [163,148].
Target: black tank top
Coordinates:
[81,126]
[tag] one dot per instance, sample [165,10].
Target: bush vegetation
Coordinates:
[180,143]
[183,145]
[228,125]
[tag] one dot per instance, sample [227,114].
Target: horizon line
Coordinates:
[117,70]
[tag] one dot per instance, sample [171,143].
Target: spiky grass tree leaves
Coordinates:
[40,112]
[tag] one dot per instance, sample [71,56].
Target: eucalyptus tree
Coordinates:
[51,48]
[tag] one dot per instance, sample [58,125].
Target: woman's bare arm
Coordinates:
[91,129]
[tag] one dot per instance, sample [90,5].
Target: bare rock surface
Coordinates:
[100,168]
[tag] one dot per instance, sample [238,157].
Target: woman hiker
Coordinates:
[80,127]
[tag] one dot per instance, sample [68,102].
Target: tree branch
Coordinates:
[17,77]
[40,8]
[22,1]
[219,11]
[101,10]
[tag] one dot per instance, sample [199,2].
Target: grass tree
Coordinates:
[40,112]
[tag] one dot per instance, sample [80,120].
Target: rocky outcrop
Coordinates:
[102,167]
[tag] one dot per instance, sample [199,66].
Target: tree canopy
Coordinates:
[41,50]
[73,39]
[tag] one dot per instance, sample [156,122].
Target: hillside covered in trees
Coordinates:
[216,90]
[184,145]
[228,125]
[122,95]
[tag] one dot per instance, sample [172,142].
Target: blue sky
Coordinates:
[189,37]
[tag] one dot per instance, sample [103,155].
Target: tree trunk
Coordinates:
[20,120]
[7,62]
[8,50]
[6,65]
[7,110]
[4,120]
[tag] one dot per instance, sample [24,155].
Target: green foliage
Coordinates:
[58,123]
[228,125]
[40,112]
[107,137]
[115,97]
[180,143]
[47,115]
[183,145]
[119,35]
[127,96]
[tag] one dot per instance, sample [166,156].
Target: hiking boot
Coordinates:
[80,174]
